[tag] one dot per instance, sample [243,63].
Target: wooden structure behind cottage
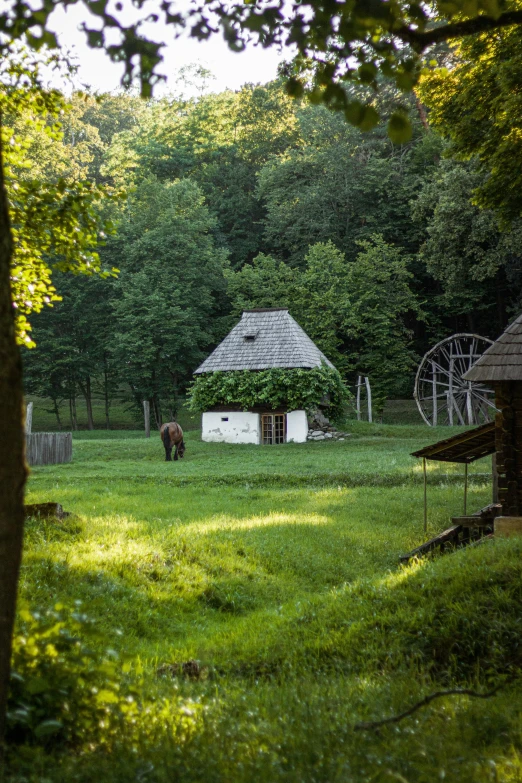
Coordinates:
[264,338]
[501,366]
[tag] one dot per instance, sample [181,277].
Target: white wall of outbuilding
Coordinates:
[231,427]
[245,427]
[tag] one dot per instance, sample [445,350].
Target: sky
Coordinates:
[230,70]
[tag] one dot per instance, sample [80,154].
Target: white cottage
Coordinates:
[263,339]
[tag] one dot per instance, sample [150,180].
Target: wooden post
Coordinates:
[495,478]
[434,393]
[469,409]
[359,382]
[29,419]
[450,391]
[146,414]
[369,396]
[425,495]
[465,488]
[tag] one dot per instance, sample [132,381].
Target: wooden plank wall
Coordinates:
[508,440]
[48,448]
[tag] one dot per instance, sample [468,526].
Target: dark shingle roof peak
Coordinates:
[503,360]
[264,338]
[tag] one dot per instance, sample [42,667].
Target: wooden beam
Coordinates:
[451,533]
[146,415]
[425,496]
[465,488]
[29,419]
[369,397]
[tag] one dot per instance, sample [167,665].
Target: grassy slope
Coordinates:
[277,568]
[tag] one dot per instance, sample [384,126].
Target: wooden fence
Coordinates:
[48,448]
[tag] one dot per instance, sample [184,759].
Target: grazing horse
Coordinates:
[172,436]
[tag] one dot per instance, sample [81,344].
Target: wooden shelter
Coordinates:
[464,448]
[501,365]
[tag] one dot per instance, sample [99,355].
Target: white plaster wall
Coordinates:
[296,427]
[231,427]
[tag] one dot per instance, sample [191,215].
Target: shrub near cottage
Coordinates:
[295,389]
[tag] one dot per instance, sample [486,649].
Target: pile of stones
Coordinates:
[319,428]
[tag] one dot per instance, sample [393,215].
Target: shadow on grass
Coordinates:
[452,617]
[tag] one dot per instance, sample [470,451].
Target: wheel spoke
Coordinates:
[442,395]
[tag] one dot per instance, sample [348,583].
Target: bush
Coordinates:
[61,691]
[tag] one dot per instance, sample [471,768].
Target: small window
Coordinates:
[224,418]
[249,338]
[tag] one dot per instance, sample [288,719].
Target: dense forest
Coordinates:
[250,199]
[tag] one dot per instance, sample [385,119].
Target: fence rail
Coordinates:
[48,448]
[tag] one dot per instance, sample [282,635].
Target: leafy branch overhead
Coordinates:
[55,216]
[335,47]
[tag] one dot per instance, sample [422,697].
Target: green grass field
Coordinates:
[276,569]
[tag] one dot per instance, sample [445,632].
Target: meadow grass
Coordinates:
[276,569]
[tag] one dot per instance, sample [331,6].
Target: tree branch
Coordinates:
[366,726]
[420,39]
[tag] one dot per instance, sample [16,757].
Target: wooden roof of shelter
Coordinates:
[503,360]
[264,338]
[465,447]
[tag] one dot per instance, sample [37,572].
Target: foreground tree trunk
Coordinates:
[12,446]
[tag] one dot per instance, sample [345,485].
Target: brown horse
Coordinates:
[172,436]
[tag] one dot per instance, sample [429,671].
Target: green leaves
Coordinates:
[399,128]
[56,221]
[47,728]
[476,105]
[169,290]
[363,116]
[294,389]
[61,691]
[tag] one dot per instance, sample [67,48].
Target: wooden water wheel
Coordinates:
[442,396]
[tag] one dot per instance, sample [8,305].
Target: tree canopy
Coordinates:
[53,208]
[339,51]
[267,215]
[476,104]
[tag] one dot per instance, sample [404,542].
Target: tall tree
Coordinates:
[466,251]
[170,290]
[37,219]
[343,186]
[266,282]
[476,103]
[73,344]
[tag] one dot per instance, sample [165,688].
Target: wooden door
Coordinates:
[273,428]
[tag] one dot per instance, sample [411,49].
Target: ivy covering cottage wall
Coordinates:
[294,389]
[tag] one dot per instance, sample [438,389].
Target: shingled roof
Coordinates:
[503,360]
[264,338]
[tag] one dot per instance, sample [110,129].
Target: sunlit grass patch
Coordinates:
[276,570]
